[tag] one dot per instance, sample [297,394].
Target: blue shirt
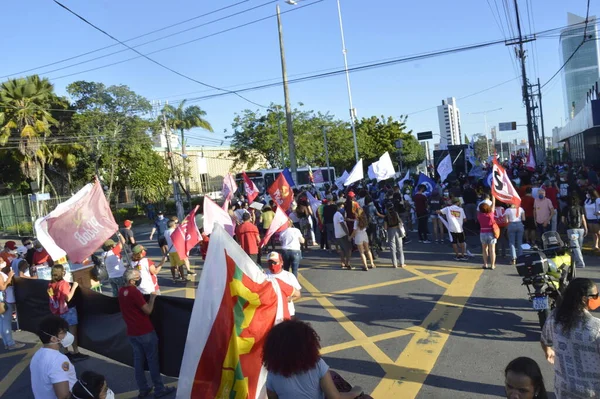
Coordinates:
[299,386]
[161,226]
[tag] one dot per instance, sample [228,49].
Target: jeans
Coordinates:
[515,238]
[423,225]
[291,258]
[146,347]
[576,245]
[330,233]
[115,284]
[395,241]
[6,319]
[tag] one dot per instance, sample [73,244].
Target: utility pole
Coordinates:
[176,194]
[288,108]
[542,121]
[280,140]
[329,177]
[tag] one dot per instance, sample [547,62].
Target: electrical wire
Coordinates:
[501,27]
[153,60]
[128,40]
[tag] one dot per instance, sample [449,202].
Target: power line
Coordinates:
[128,40]
[153,60]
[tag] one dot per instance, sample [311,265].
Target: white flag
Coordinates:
[445,168]
[356,174]
[214,214]
[371,171]
[313,202]
[401,182]
[229,186]
[384,168]
[340,182]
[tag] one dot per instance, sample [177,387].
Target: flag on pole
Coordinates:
[371,171]
[318,176]
[279,223]
[530,164]
[405,178]
[229,186]
[235,307]
[427,181]
[249,188]
[281,192]
[356,174]
[215,215]
[186,235]
[445,168]
[288,177]
[78,226]
[313,202]
[502,188]
[340,182]
[384,168]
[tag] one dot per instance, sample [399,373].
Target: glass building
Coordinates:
[582,71]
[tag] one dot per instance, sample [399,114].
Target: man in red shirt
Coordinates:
[248,237]
[142,337]
[420,200]
[527,202]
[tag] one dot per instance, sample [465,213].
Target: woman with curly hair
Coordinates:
[571,341]
[296,369]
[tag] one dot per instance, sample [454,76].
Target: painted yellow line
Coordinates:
[426,276]
[14,353]
[372,286]
[169,291]
[134,394]
[16,371]
[420,355]
[375,338]
[190,291]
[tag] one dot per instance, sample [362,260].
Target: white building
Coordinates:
[160,140]
[449,120]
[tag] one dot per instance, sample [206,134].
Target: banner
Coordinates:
[405,178]
[229,187]
[428,182]
[340,182]
[356,174]
[186,235]
[288,177]
[384,168]
[250,188]
[445,168]
[213,214]
[318,176]
[236,305]
[78,226]
[279,223]
[281,192]
[502,188]
[530,164]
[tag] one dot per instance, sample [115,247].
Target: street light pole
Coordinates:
[286,95]
[352,112]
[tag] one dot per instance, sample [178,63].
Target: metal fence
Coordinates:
[18,212]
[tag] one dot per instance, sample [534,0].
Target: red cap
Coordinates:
[127,223]
[351,194]
[325,201]
[11,245]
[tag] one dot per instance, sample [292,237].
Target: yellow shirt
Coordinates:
[267,218]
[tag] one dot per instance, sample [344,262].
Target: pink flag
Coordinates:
[318,176]
[530,164]
[186,236]
[78,226]
[214,214]
[280,222]
[250,188]
[229,186]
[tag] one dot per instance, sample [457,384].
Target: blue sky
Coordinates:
[40,32]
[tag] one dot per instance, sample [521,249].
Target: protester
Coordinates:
[577,228]
[342,236]
[148,271]
[405,208]
[395,231]
[142,337]
[528,205]
[174,259]
[28,243]
[374,218]
[592,215]
[514,217]
[160,226]
[275,268]
[128,239]
[422,212]
[328,214]
[52,373]
[361,239]
[9,252]
[91,385]
[304,213]
[455,217]
[7,301]
[40,258]
[523,379]
[486,221]
[351,207]
[571,341]
[291,240]
[552,194]
[435,204]
[248,237]
[502,244]
[114,265]
[323,240]
[470,203]
[266,218]
[60,294]
[543,211]
[296,369]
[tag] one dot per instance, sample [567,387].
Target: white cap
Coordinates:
[22,250]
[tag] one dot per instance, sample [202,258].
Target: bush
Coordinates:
[22,228]
[125,213]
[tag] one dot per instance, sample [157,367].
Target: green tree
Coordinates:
[480,146]
[26,121]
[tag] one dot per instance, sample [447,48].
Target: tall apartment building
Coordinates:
[449,120]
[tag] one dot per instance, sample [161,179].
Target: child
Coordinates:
[60,294]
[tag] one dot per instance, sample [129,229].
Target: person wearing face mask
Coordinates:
[542,212]
[160,226]
[523,379]
[52,373]
[91,385]
[275,269]
[40,258]
[142,337]
[592,215]
[571,341]
[9,252]
[28,243]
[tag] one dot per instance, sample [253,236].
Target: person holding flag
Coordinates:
[250,188]
[248,237]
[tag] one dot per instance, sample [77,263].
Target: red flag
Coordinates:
[281,192]
[502,188]
[186,235]
[77,226]
[235,307]
[530,164]
[280,222]
[250,188]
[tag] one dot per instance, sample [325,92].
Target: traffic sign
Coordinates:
[424,136]
[507,126]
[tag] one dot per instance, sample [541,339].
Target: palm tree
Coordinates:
[25,120]
[182,119]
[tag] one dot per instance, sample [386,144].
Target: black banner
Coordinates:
[101,327]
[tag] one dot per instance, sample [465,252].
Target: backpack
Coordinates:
[574,217]
[392,218]
[57,300]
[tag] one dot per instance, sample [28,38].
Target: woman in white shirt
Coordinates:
[8,298]
[361,239]
[515,218]
[592,208]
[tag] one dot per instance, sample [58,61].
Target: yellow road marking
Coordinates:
[14,353]
[16,371]
[134,394]
[190,291]
[169,291]
[417,360]
[372,286]
[375,338]
[428,277]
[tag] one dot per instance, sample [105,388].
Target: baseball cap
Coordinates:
[351,194]
[138,249]
[22,250]
[11,245]
[275,257]
[127,223]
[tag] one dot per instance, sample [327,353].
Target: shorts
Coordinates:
[488,238]
[530,223]
[71,317]
[162,242]
[175,259]
[458,238]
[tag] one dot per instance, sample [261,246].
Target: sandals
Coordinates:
[485,267]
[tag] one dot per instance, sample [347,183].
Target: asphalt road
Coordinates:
[437,329]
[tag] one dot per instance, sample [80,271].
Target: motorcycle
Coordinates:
[546,273]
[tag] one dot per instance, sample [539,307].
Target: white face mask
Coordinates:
[66,341]
[110,394]
[160,217]
[29,246]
